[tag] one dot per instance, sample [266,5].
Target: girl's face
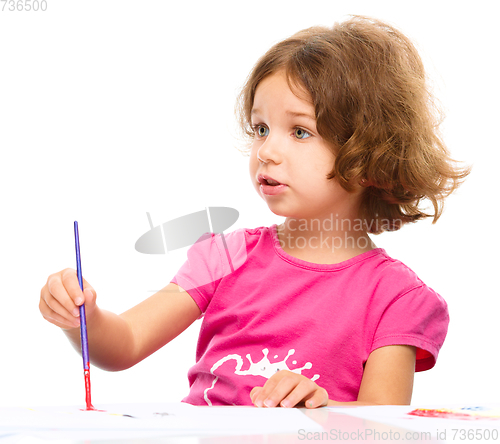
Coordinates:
[288,149]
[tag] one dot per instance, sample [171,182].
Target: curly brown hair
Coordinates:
[374,108]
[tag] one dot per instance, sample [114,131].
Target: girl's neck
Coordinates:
[324,241]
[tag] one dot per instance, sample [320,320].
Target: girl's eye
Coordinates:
[301,134]
[262,131]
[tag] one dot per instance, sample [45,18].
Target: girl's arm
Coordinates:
[121,341]
[387,379]
[117,342]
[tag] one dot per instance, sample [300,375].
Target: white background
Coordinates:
[111,109]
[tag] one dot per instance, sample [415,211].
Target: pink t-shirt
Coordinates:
[265,310]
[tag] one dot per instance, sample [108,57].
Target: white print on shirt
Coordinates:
[262,368]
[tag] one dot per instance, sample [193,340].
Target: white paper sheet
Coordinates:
[149,420]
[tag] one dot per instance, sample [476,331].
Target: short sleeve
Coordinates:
[209,260]
[418,318]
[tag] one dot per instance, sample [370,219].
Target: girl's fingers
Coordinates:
[61,297]
[55,318]
[58,300]
[90,295]
[319,399]
[287,389]
[290,391]
[263,394]
[254,393]
[70,282]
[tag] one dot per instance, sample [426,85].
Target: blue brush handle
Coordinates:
[83,321]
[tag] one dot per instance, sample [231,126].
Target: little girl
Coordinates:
[343,143]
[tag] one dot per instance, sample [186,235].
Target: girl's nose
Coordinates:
[270,150]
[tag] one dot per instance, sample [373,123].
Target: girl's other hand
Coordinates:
[287,389]
[61,297]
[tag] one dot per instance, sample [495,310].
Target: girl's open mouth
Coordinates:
[270,186]
[271,190]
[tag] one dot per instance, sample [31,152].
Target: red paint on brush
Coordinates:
[87,390]
[88,401]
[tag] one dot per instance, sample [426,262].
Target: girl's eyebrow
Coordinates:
[290,113]
[296,114]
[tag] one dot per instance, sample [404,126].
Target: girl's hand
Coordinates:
[61,296]
[287,389]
